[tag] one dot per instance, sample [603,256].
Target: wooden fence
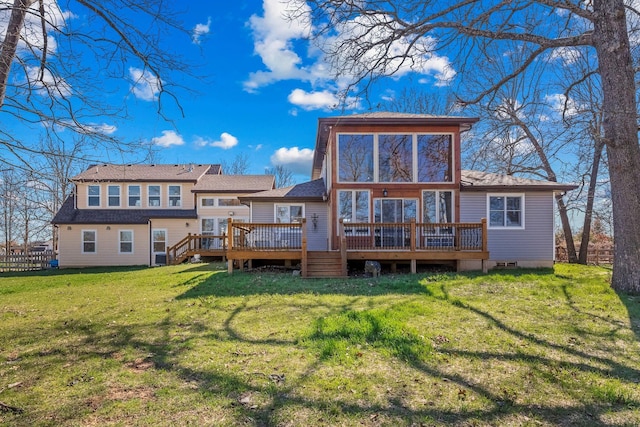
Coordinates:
[26,262]
[596,256]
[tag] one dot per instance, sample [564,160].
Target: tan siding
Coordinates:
[107,246]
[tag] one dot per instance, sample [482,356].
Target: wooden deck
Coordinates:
[387,242]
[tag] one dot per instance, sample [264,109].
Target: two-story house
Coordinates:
[131,214]
[387,187]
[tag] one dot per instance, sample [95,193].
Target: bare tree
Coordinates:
[283,176]
[54,70]
[369,40]
[239,166]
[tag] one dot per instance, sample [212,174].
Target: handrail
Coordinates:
[195,242]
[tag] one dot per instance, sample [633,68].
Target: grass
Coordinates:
[191,345]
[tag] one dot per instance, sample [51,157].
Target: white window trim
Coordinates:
[289,205]
[166,240]
[159,196]
[376,165]
[99,196]
[505,195]
[120,241]
[119,187]
[169,205]
[95,241]
[129,195]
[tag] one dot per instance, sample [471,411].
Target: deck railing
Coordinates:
[266,237]
[412,236]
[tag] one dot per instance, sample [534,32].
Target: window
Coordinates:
[159,241]
[395,158]
[174,195]
[353,208]
[395,210]
[437,206]
[355,158]
[506,211]
[207,202]
[154,196]
[88,241]
[435,158]
[93,195]
[134,195]
[114,195]
[228,202]
[289,213]
[126,241]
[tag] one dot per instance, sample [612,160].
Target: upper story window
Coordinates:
[207,202]
[154,196]
[228,202]
[435,160]
[93,195]
[289,213]
[114,195]
[174,195]
[134,196]
[395,157]
[506,211]
[355,158]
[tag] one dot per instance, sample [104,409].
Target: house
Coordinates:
[130,214]
[386,187]
[390,187]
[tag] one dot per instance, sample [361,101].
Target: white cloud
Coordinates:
[200,30]
[145,85]
[273,36]
[568,55]
[225,142]
[323,100]
[295,159]
[559,103]
[169,138]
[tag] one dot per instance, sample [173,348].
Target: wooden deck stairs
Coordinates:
[324,264]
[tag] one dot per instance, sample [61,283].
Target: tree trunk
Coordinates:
[566,229]
[9,45]
[591,192]
[621,139]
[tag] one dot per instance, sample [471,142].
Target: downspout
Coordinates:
[150,243]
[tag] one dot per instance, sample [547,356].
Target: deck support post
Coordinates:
[343,247]
[414,266]
[303,261]
[229,244]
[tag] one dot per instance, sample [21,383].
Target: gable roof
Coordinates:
[68,214]
[483,181]
[145,172]
[384,118]
[310,191]
[233,183]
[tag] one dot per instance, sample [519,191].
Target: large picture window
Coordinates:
[353,206]
[437,206]
[355,158]
[506,211]
[93,195]
[395,158]
[435,158]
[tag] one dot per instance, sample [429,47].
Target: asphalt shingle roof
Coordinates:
[310,190]
[150,173]
[233,183]
[482,181]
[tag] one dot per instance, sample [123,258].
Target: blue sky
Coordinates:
[264,88]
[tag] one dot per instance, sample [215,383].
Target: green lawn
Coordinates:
[191,345]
